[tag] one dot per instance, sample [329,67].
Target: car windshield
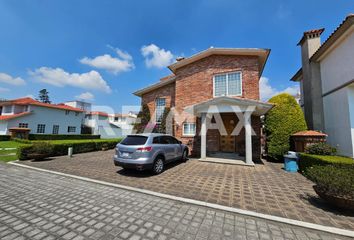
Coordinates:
[134,140]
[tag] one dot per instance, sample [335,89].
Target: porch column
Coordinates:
[203,137]
[248,137]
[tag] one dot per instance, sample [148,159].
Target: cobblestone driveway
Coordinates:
[266,188]
[36,205]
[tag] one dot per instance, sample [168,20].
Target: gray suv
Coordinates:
[149,151]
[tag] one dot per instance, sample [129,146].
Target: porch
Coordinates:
[230,129]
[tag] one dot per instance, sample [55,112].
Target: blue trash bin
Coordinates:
[291,162]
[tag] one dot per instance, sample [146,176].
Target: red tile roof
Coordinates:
[7,117]
[313,31]
[310,133]
[30,101]
[103,114]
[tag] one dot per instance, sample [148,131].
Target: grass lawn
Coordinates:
[9,144]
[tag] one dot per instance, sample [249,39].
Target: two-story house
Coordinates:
[218,86]
[327,84]
[38,117]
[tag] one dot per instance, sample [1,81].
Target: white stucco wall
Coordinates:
[338,107]
[101,126]
[350,91]
[3,127]
[49,117]
[337,67]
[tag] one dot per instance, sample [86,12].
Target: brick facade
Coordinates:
[194,84]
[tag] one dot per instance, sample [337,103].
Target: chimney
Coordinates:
[179,59]
[310,42]
[311,79]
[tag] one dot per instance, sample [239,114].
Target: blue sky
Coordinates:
[105,50]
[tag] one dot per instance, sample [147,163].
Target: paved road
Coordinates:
[37,205]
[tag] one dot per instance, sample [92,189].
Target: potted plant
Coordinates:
[334,184]
[40,150]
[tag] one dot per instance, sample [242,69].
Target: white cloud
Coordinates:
[115,65]
[5,78]
[85,96]
[2,90]
[267,91]
[58,77]
[156,57]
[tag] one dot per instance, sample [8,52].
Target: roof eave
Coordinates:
[152,87]
[297,76]
[226,51]
[347,24]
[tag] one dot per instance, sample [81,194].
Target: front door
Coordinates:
[227,142]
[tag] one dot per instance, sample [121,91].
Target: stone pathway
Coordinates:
[37,205]
[266,188]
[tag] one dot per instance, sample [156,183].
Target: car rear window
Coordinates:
[134,140]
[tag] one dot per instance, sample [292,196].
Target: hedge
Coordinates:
[62,136]
[5,137]
[308,160]
[283,120]
[334,180]
[60,148]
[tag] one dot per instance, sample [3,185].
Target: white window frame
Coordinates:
[189,134]
[41,126]
[156,108]
[227,83]
[70,128]
[23,125]
[56,128]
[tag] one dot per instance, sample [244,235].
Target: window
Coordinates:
[76,114]
[160,108]
[55,129]
[172,140]
[116,119]
[189,129]
[23,125]
[67,112]
[134,140]
[41,128]
[229,84]
[71,129]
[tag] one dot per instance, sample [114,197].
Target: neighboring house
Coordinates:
[327,84]
[38,117]
[100,124]
[85,106]
[217,80]
[124,121]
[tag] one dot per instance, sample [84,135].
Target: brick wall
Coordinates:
[167,92]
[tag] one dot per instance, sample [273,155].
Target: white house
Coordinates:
[100,125]
[40,118]
[124,121]
[327,84]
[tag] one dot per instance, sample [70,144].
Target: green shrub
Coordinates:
[143,119]
[335,180]
[42,148]
[5,137]
[321,149]
[23,151]
[62,136]
[308,160]
[283,120]
[60,147]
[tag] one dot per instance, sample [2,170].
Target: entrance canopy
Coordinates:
[228,104]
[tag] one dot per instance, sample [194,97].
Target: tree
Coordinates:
[43,96]
[283,120]
[143,118]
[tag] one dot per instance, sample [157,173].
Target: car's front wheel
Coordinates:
[158,166]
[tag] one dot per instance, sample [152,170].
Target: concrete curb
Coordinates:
[333,230]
